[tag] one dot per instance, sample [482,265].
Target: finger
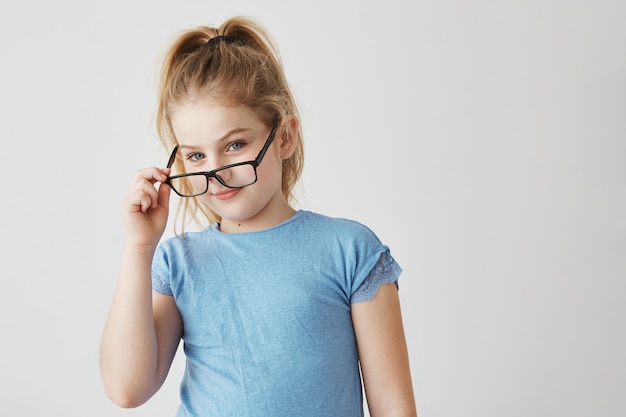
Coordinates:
[163,191]
[137,201]
[164,196]
[145,203]
[152,175]
[144,187]
[142,197]
[143,193]
[162,174]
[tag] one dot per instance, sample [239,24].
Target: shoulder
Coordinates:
[336,222]
[338,227]
[180,240]
[352,246]
[177,246]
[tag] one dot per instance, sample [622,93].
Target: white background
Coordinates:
[483,141]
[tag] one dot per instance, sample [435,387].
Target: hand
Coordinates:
[146,206]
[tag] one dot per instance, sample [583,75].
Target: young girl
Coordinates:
[283,312]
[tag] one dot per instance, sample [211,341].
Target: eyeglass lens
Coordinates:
[234,177]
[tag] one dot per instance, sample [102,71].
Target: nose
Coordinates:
[209,163]
[212,162]
[225,174]
[214,183]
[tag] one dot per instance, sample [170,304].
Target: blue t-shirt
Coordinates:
[267,323]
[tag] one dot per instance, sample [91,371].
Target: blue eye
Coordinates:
[195,156]
[236,146]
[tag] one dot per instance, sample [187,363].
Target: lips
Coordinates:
[227,194]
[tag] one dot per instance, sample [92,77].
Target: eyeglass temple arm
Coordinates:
[170,162]
[259,158]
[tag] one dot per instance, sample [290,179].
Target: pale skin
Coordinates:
[144,328]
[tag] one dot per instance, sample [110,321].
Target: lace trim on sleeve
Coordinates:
[386,270]
[160,285]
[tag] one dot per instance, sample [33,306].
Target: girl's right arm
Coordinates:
[143,328]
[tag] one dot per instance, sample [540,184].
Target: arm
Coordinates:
[383,354]
[143,328]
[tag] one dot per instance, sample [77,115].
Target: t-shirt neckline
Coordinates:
[215,227]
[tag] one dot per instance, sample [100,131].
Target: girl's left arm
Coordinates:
[383,354]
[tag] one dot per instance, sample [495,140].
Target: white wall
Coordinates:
[484,141]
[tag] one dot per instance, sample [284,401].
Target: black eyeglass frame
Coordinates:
[213,173]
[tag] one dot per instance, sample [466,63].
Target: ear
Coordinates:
[287,135]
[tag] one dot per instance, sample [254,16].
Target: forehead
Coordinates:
[207,119]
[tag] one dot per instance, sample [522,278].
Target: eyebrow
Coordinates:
[220,140]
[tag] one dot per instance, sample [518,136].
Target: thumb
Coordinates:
[164,196]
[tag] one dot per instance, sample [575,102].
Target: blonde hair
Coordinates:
[241,66]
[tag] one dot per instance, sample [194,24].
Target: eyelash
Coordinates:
[191,156]
[194,156]
[241,145]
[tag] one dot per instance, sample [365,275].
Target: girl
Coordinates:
[283,312]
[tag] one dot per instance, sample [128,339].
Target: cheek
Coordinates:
[270,171]
[198,183]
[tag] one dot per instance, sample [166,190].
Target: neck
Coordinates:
[273,215]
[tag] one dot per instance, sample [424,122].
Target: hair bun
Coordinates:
[221,38]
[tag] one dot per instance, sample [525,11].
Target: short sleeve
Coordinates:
[385,271]
[160,272]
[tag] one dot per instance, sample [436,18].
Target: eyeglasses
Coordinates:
[237,175]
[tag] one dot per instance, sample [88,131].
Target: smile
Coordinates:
[227,194]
